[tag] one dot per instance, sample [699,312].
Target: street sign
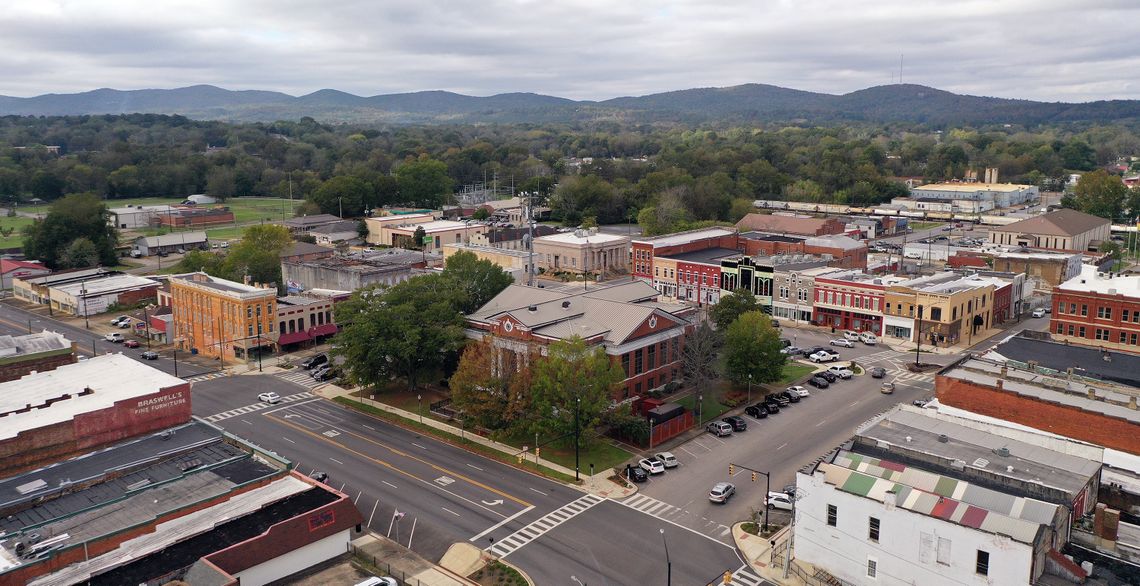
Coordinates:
[427,240]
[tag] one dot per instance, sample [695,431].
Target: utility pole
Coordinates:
[577,402]
[917,335]
[530,240]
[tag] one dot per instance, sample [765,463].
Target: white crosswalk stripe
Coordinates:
[202,377]
[667,512]
[255,407]
[743,577]
[536,529]
[906,375]
[300,377]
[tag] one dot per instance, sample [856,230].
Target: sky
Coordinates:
[1048,50]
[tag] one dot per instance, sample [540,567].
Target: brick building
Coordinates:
[645,337]
[1098,309]
[645,250]
[50,415]
[698,274]
[844,251]
[187,216]
[216,317]
[41,352]
[97,295]
[303,251]
[793,225]
[1064,402]
[849,301]
[304,318]
[1043,269]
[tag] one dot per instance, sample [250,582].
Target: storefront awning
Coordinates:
[293,338]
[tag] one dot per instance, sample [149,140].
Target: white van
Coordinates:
[851,335]
[868,338]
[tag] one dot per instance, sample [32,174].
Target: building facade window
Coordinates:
[832,515]
[872,567]
[1101,334]
[1081,331]
[1085,310]
[873,529]
[637,363]
[943,552]
[1104,313]
[982,564]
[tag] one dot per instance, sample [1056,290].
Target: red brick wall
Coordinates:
[1118,303]
[1052,417]
[847,259]
[132,297]
[15,370]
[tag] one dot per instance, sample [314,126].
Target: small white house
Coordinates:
[330,234]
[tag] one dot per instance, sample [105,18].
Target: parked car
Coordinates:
[920,402]
[719,428]
[121,318]
[1039,312]
[667,459]
[798,390]
[887,388]
[314,361]
[722,492]
[779,398]
[772,407]
[827,375]
[790,396]
[851,335]
[115,337]
[651,465]
[319,371]
[636,474]
[784,342]
[841,371]
[378,581]
[778,500]
[822,357]
[758,411]
[125,324]
[818,382]
[815,349]
[131,344]
[844,342]
[791,351]
[325,374]
[269,398]
[877,372]
[737,422]
[149,355]
[868,338]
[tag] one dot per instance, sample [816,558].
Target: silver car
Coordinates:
[722,492]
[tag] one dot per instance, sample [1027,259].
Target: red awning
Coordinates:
[292,338]
[323,330]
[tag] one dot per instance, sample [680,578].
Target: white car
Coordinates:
[798,391]
[651,465]
[722,492]
[822,356]
[844,342]
[270,398]
[666,458]
[791,350]
[1039,312]
[115,337]
[841,371]
[778,500]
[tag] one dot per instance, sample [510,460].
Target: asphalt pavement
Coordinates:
[17,321]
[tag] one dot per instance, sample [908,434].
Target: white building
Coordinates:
[126,218]
[330,234]
[999,195]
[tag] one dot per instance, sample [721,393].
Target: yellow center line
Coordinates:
[392,466]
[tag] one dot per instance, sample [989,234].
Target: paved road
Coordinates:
[17,321]
[780,444]
[450,495]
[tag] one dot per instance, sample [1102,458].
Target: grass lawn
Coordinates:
[793,371]
[711,407]
[16,239]
[924,225]
[230,233]
[245,209]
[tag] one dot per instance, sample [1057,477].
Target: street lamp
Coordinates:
[668,562]
[750,388]
[577,403]
[700,411]
[420,398]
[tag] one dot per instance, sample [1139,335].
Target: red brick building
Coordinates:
[793,225]
[643,250]
[41,352]
[849,301]
[1098,309]
[51,415]
[846,252]
[1085,409]
[637,333]
[188,216]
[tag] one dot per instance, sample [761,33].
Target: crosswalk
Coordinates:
[918,377]
[667,512]
[300,377]
[204,377]
[512,542]
[255,407]
[743,577]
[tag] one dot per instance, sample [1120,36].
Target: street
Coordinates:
[427,494]
[16,321]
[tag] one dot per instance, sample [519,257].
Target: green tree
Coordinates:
[418,236]
[488,388]
[572,377]
[80,254]
[752,348]
[481,214]
[423,182]
[258,255]
[701,355]
[1100,194]
[350,194]
[477,280]
[202,260]
[732,306]
[73,217]
[404,331]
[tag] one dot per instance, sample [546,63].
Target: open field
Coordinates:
[246,209]
[15,239]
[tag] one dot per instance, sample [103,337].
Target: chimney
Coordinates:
[1000,385]
[565,304]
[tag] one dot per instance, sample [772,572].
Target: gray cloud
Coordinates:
[1052,50]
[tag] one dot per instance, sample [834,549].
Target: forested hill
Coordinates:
[743,103]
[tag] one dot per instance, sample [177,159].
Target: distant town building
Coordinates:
[399,231]
[305,224]
[1063,229]
[1042,268]
[1098,309]
[173,242]
[220,318]
[515,262]
[509,238]
[644,250]
[787,224]
[349,273]
[330,234]
[10,269]
[37,288]
[38,352]
[992,195]
[97,295]
[302,251]
[582,251]
[187,216]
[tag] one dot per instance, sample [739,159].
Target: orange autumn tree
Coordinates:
[491,386]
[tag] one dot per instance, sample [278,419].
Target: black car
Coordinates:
[779,399]
[324,374]
[636,474]
[878,372]
[784,342]
[737,422]
[827,375]
[772,406]
[814,349]
[818,382]
[150,355]
[794,398]
[314,361]
[318,476]
[758,411]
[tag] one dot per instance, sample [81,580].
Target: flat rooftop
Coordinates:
[1121,367]
[579,238]
[108,284]
[921,432]
[223,285]
[45,341]
[766,237]
[707,255]
[685,237]
[1092,280]
[971,187]
[60,395]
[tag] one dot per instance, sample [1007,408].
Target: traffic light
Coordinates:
[537,453]
[731,469]
[753,477]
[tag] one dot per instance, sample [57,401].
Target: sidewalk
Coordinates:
[401,562]
[598,484]
[758,555]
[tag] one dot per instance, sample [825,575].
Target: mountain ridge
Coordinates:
[752,102]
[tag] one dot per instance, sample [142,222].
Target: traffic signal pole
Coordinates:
[767,487]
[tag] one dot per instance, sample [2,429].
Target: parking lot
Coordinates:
[779,444]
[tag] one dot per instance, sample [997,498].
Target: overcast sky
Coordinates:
[1050,50]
